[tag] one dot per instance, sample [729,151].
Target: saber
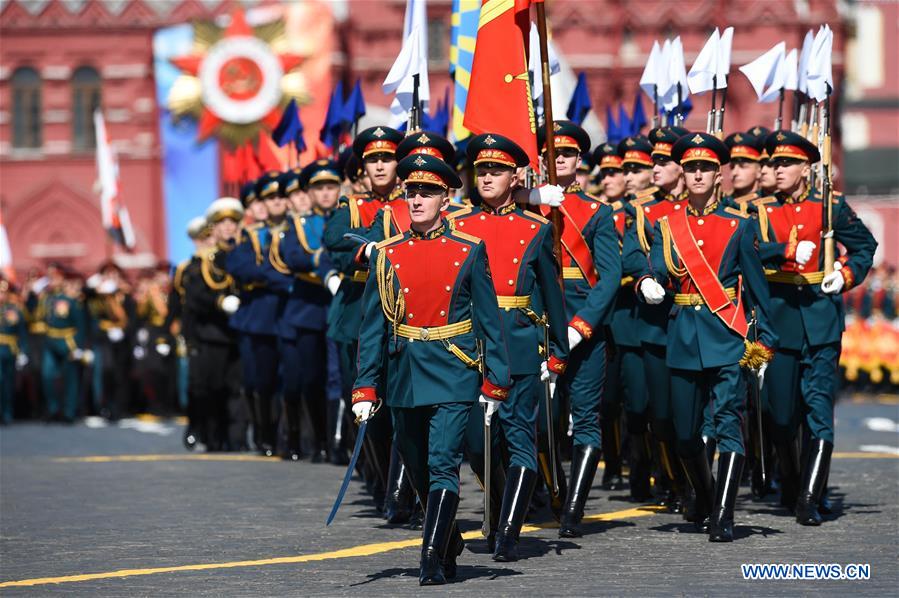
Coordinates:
[757,398]
[488,461]
[550,433]
[360,437]
[356,238]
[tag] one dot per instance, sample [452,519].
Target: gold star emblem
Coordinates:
[738,138]
[660,134]
[630,142]
[423,138]
[697,139]
[379,132]
[419,161]
[322,162]
[781,137]
[489,140]
[557,127]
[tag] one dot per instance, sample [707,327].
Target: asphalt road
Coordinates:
[125,511]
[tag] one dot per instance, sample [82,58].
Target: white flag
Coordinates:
[724,47]
[791,70]
[107,173]
[766,73]
[677,74]
[5,252]
[820,67]
[535,66]
[804,55]
[704,72]
[653,80]
[412,60]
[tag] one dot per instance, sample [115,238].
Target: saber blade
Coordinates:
[360,437]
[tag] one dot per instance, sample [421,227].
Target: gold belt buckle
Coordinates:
[695,299]
[798,279]
[425,334]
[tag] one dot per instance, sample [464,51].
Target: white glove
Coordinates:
[21,361]
[88,357]
[833,283]
[362,410]
[143,336]
[368,249]
[139,352]
[652,291]
[107,287]
[115,334]
[94,281]
[77,354]
[547,195]
[333,283]
[760,374]
[545,375]
[230,304]
[163,349]
[574,338]
[804,252]
[491,406]
[40,284]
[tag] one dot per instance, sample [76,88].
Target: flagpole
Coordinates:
[710,120]
[414,122]
[655,106]
[555,215]
[719,124]
[778,122]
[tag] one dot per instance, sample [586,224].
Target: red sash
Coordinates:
[704,278]
[574,241]
[399,215]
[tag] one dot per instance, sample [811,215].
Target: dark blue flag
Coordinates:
[613,131]
[354,109]
[290,128]
[638,120]
[624,121]
[330,133]
[580,103]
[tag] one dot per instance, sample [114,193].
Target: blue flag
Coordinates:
[330,133]
[624,121]
[638,120]
[290,128]
[580,103]
[354,109]
[684,109]
[613,131]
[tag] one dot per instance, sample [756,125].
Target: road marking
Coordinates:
[882,449]
[881,424]
[352,552]
[146,426]
[172,457]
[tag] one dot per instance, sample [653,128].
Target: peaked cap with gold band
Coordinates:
[320,171]
[566,134]
[606,156]
[787,144]
[197,227]
[491,148]
[289,182]
[428,170]
[248,193]
[224,207]
[664,138]
[376,140]
[267,185]
[426,142]
[635,150]
[695,147]
[349,165]
[744,146]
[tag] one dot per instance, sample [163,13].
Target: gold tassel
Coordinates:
[755,356]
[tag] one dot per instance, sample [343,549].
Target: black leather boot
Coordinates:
[641,468]
[453,550]
[814,475]
[711,445]
[337,452]
[611,453]
[700,477]
[439,525]
[788,461]
[265,442]
[399,501]
[721,524]
[584,460]
[516,498]
[497,487]
[679,492]
[556,500]
[292,413]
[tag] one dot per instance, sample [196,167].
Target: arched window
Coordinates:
[26,107]
[85,99]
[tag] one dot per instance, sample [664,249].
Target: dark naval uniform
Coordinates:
[809,322]
[525,276]
[256,321]
[708,259]
[591,272]
[428,303]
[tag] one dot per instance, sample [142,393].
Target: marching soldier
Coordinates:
[614,193]
[706,254]
[209,301]
[806,310]
[429,304]
[13,348]
[299,269]
[375,149]
[526,283]
[591,272]
[256,321]
[745,170]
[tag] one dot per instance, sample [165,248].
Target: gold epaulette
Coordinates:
[178,278]
[642,199]
[463,211]
[763,215]
[466,236]
[735,212]
[616,205]
[534,216]
[763,201]
[746,198]
[649,191]
[389,241]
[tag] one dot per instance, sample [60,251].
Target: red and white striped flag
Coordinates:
[111,210]
[5,254]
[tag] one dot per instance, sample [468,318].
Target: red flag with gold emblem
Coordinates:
[499,95]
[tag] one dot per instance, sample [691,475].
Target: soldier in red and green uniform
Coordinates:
[13,348]
[807,312]
[745,171]
[429,302]
[705,254]
[520,252]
